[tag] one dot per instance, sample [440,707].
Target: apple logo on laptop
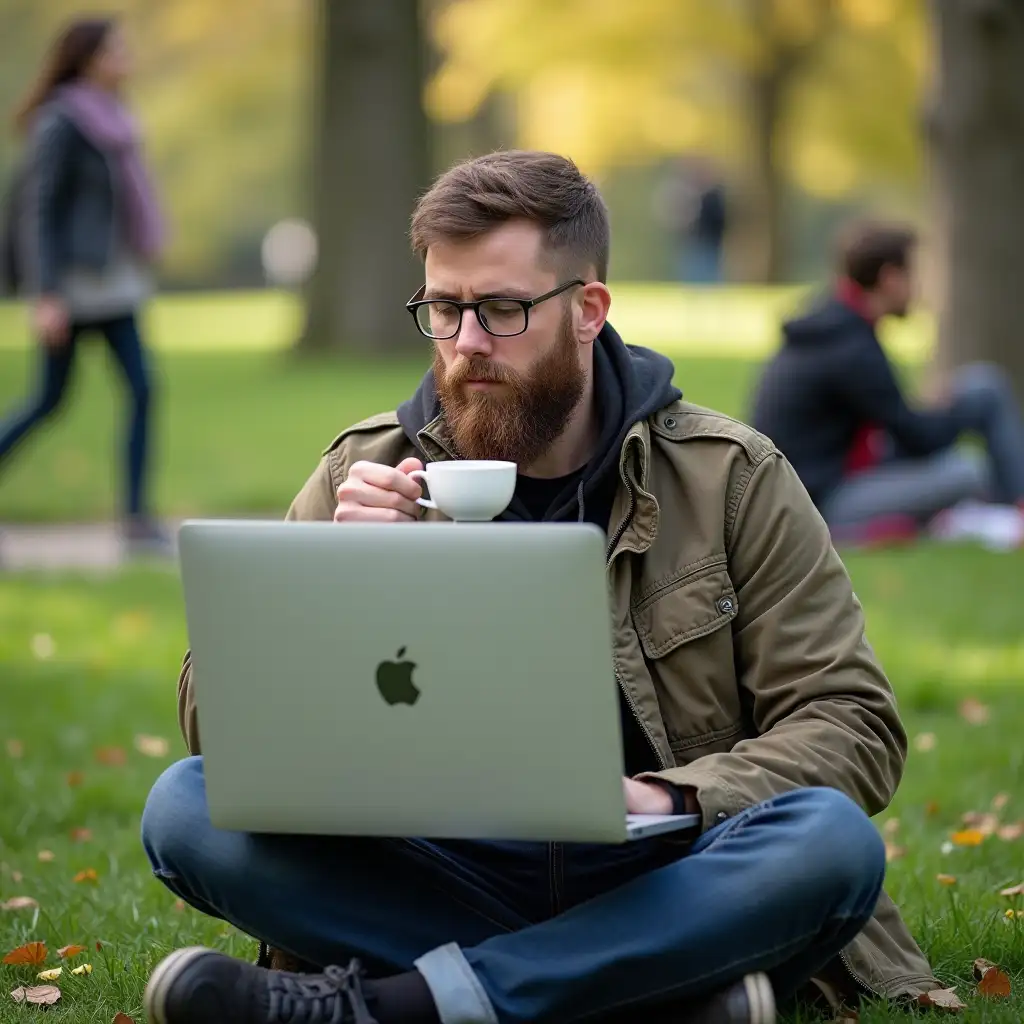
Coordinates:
[394,680]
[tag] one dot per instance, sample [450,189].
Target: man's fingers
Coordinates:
[386,478]
[408,466]
[351,513]
[356,493]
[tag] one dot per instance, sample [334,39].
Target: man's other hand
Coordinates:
[373,493]
[646,797]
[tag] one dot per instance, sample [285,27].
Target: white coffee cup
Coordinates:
[468,490]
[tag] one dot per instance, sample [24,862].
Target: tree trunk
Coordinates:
[370,162]
[976,130]
[767,256]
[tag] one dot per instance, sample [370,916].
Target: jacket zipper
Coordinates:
[861,984]
[618,679]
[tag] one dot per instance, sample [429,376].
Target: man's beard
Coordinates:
[520,421]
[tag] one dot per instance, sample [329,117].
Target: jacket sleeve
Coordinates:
[823,711]
[54,143]
[870,388]
[315,501]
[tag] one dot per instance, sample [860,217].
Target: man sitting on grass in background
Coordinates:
[749,694]
[875,466]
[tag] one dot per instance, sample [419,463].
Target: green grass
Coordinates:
[234,432]
[116,646]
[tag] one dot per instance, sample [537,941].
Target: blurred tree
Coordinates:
[976,129]
[820,93]
[371,161]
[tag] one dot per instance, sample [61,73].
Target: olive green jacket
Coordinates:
[738,639]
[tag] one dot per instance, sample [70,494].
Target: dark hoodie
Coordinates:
[830,382]
[630,384]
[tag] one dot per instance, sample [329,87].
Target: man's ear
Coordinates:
[595,300]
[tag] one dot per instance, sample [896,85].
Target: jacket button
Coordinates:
[721,816]
[670,422]
[725,605]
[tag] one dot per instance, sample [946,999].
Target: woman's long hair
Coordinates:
[68,59]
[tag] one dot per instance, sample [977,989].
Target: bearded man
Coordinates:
[749,694]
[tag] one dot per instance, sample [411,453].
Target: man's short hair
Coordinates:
[478,195]
[865,247]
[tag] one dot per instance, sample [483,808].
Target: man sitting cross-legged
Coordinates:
[749,694]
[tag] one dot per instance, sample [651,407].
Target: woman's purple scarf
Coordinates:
[105,121]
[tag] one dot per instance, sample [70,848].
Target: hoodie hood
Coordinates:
[630,384]
[830,321]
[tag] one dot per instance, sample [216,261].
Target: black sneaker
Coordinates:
[747,1001]
[200,986]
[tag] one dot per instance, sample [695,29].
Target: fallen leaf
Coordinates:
[891,827]
[37,995]
[179,905]
[931,808]
[68,951]
[992,982]
[974,712]
[32,953]
[81,835]
[88,875]
[43,646]
[19,903]
[15,748]
[946,879]
[46,856]
[152,746]
[74,778]
[122,1018]
[113,756]
[924,741]
[83,969]
[99,946]
[51,975]
[1000,800]
[942,999]
[17,876]
[968,837]
[1014,890]
[893,852]
[1008,833]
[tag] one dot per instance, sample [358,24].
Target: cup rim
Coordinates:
[470,465]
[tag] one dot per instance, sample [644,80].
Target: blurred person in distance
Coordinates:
[878,468]
[83,231]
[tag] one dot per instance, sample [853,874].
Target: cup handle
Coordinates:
[421,474]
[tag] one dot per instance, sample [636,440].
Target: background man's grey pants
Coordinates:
[922,487]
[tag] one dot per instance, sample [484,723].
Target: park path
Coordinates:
[63,546]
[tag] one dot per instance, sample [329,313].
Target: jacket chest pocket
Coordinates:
[684,624]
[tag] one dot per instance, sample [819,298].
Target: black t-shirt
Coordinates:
[537,495]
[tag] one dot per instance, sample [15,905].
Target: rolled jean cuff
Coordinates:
[457,992]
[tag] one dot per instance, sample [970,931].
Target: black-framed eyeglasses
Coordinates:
[441,319]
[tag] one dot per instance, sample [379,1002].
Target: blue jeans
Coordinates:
[511,931]
[921,487]
[54,373]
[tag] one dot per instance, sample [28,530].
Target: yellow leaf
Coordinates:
[946,879]
[152,746]
[83,969]
[51,975]
[68,951]
[37,995]
[19,903]
[943,999]
[75,778]
[88,875]
[968,837]
[31,953]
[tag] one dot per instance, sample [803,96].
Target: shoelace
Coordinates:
[334,997]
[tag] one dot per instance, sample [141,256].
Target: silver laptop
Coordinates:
[445,680]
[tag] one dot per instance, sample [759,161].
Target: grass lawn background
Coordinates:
[89,663]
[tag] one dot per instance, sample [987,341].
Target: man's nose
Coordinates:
[473,340]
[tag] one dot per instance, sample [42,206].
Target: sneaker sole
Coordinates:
[760,997]
[164,976]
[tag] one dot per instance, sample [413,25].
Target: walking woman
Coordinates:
[90,231]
